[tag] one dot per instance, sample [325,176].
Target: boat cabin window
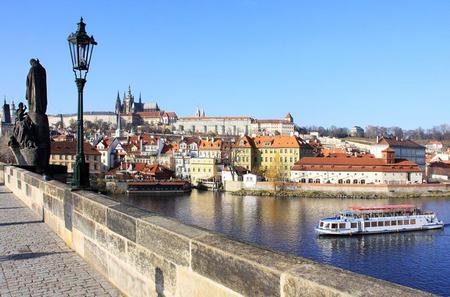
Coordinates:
[321,224]
[413,221]
[373,224]
[380,224]
[405,222]
[400,222]
[333,226]
[353,225]
[342,226]
[393,223]
[366,224]
[387,223]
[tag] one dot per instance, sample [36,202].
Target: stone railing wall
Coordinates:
[145,254]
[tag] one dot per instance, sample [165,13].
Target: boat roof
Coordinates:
[388,207]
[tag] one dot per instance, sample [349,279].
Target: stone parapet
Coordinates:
[145,254]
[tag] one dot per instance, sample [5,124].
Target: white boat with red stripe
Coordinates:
[379,219]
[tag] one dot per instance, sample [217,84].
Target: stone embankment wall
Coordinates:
[346,188]
[145,254]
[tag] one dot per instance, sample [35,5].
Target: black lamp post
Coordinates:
[81,47]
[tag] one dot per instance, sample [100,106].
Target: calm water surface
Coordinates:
[416,259]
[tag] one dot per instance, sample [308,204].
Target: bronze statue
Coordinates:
[37,88]
[30,141]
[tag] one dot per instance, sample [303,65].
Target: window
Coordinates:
[353,225]
[387,223]
[310,180]
[355,181]
[400,222]
[317,181]
[321,224]
[341,225]
[347,181]
[405,222]
[393,223]
[340,181]
[413,221]
[380,224]
[373,224]
[334,226]
[363,181]
[366,224]
[303,180]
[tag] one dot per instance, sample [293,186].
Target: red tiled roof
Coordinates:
[169,148]
[150,114]
[171,114]
[216,118]
[273,122]
[150,169]
[70,148]
[210,144]
[348,163]
[244,142]
[277,142]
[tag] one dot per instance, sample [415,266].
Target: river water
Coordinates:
[416,259]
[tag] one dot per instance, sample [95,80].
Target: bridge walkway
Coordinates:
[34,261]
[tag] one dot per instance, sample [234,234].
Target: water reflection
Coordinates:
[417,259]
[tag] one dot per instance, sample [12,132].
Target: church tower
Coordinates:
[118,116]
[128,102]
[6,115]
[118,108]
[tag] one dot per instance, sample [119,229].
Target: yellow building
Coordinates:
[202,169]
[64,153]
[273,156]
[243,153]
[210,148]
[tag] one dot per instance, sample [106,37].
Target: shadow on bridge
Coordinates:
[19,223]
[25,256]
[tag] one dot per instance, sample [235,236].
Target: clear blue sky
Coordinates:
[327,62]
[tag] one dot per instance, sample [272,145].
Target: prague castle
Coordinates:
[129,111]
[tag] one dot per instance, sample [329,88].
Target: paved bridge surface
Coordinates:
[34,261]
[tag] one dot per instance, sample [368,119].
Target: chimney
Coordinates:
[389,155]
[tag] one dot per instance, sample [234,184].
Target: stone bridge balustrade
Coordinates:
[145,254]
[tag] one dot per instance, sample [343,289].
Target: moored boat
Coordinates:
[158,187]
[379,219]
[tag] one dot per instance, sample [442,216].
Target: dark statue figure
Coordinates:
[30,141]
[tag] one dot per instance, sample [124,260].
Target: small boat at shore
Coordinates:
[158,187]
[379,219]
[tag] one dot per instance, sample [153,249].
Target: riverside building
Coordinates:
[357,170]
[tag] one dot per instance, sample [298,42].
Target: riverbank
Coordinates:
[342,195]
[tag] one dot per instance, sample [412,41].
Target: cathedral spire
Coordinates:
[118,104]
[140,99]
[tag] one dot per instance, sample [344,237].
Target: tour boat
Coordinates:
[379,219]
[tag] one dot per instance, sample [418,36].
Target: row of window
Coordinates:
[369,224]
[266,151]
[200,170]
[72,157]
[389,223]
[340,181]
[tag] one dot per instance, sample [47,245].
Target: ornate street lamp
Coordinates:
[81,47]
